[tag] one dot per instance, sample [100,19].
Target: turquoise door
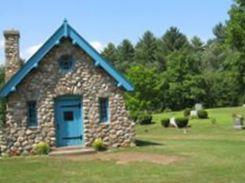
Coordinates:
[69,126]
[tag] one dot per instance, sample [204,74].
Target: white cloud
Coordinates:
[1,44]
[28,52]
[97,45]
[1,51]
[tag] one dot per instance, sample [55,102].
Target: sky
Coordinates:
[104,21]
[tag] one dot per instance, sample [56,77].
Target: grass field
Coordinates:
[208,153]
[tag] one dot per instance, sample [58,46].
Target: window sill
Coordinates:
[105,123]
[32,127]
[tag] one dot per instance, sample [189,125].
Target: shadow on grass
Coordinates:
[146,143]
[146,124]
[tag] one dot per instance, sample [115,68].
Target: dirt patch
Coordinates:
[128,157]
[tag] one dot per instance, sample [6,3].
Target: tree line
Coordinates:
[172,72]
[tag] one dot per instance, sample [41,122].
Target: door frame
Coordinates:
[56,110]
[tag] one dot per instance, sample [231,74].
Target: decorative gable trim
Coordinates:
[65,30]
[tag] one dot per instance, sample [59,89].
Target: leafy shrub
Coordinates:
[134,115]
[187,112]
[202,114]
[41,148]
[145,118]
[98,144]
[182,122]
[165,122]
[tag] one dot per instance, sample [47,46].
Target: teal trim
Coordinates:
[65,30]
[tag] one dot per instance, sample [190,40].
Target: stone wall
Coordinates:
[3,146]
[46,83]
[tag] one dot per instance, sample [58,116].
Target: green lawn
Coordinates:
[213,153]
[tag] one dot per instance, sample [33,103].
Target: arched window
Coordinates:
[66,63]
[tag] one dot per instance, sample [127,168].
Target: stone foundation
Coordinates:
[46,83]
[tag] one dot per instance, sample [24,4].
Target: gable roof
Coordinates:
[64,31]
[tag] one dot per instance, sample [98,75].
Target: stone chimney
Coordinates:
[12,53]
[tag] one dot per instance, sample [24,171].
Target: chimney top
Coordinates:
[11,32]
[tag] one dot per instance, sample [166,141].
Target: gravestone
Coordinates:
[172,122]
[238,121]
[193,113]
[198,107]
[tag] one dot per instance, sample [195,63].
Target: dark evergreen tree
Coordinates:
[197,44]
[174,40]
[219,31]
[125,55]
[146,50]
[111,54]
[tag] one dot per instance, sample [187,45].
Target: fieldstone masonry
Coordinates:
[13,61]
[3,146]
[46,83]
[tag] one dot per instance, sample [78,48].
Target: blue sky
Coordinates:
[100,22]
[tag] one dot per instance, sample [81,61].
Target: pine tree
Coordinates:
[111,54]
[125,55]
[145,51]
[174,40]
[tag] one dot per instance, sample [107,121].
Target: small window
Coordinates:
[68,116]
[32,114]
[104,109]
[66,63]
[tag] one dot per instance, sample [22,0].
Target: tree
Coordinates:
[197,44]
[236,26]
[235,39]
[220,32]
[110,53]
[184,79]
[125,55]
[213,57]
[174,40]
[146,49]
[146,94]
[222,89]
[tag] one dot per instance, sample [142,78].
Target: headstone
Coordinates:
[198,107]
[172,122]
[238,121]
[193,113]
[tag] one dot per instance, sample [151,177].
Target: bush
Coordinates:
[145,118]
[134,115]
[165,122]
[98,144]
[182,122]
[202,114]
[187,112]
[41,148]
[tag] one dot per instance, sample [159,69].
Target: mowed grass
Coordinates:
[209,152]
